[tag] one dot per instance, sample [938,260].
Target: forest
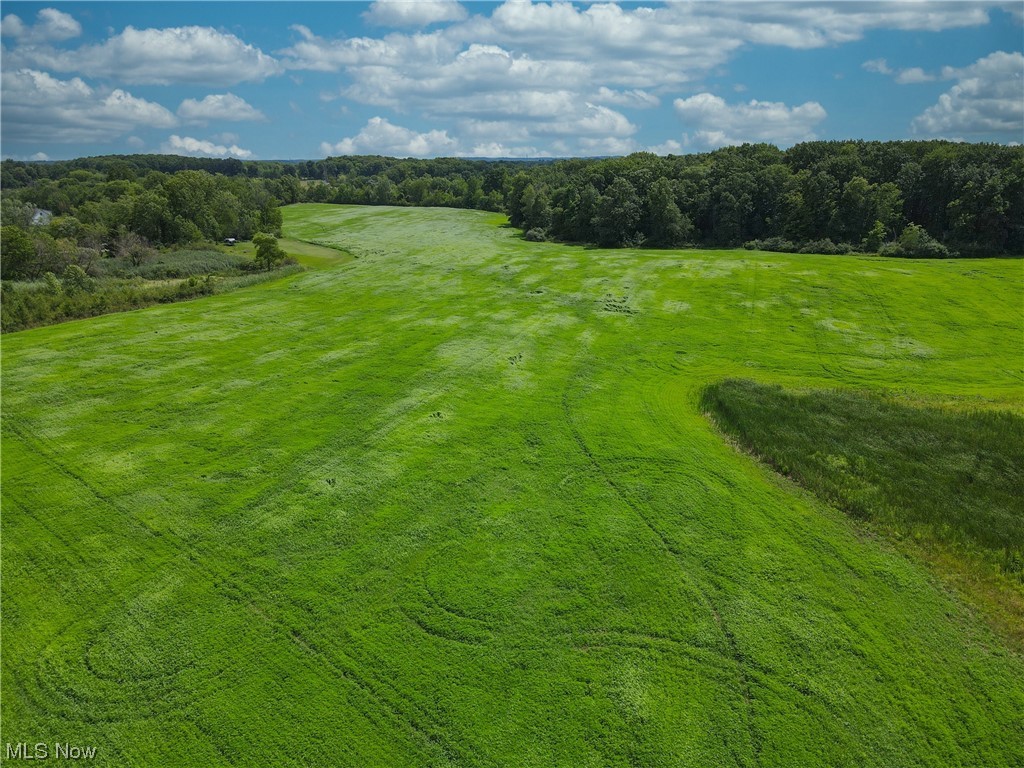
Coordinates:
[920,199]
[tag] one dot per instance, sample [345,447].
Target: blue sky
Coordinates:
[426,78]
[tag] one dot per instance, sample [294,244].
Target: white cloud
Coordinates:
[51,24]
[877,65]
[987,100]
[909,76]
[316,53]
[380,137]
[635,97]
[913,75]
[536,66]
[135,142]
[158,56]
[497,149]
[413,13]
[219,106]
[226,138]
[670,147]
[600,121]
[714,123]
[486,139]
[608,145]
[40,107]
[39,156]
[12,26]
[186,145]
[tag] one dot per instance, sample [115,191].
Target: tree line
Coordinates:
[928,198]
[901,198]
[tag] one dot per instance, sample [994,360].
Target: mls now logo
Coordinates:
[41,751]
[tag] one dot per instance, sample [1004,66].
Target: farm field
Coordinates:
[451,501]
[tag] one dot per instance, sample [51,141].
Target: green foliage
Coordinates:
[777,244]
[15,213]
[75,280]
[53,285]
[666,225]
[875,238]
[17,253]
[825,246]
[268,253]
[618,214]
[115,209]
[177,264]
[915,243]
[55,300]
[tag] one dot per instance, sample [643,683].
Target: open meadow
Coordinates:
[449,498]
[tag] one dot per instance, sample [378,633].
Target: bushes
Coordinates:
[781,245]
[776,244]
[916,243]
[47,301]
[32,304]
[827,247]
[177,264]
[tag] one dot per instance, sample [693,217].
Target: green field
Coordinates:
[453,502]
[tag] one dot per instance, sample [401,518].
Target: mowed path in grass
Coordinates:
[452,502]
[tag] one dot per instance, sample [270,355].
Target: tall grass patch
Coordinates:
[936,476]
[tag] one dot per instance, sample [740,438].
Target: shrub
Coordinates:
[776,244]
[916,243]
[826,246]
[536,235]
[53,286]
[75,280]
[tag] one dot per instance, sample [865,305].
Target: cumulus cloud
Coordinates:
[601,131]
[669,147]
[219,106]
[877,65]
[413,13]
[381,137]
[902,76]
[987,100]
[158,57]
[497,149]
[635,97]
[40,107]
[543,67]
[51,25]
[913,75]
[186,145]
[607,146]
[600,121]
[714,123]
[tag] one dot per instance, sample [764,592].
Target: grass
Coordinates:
[307,254]
[949,481]
[454,502]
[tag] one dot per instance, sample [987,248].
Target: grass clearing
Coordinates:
[454,502]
